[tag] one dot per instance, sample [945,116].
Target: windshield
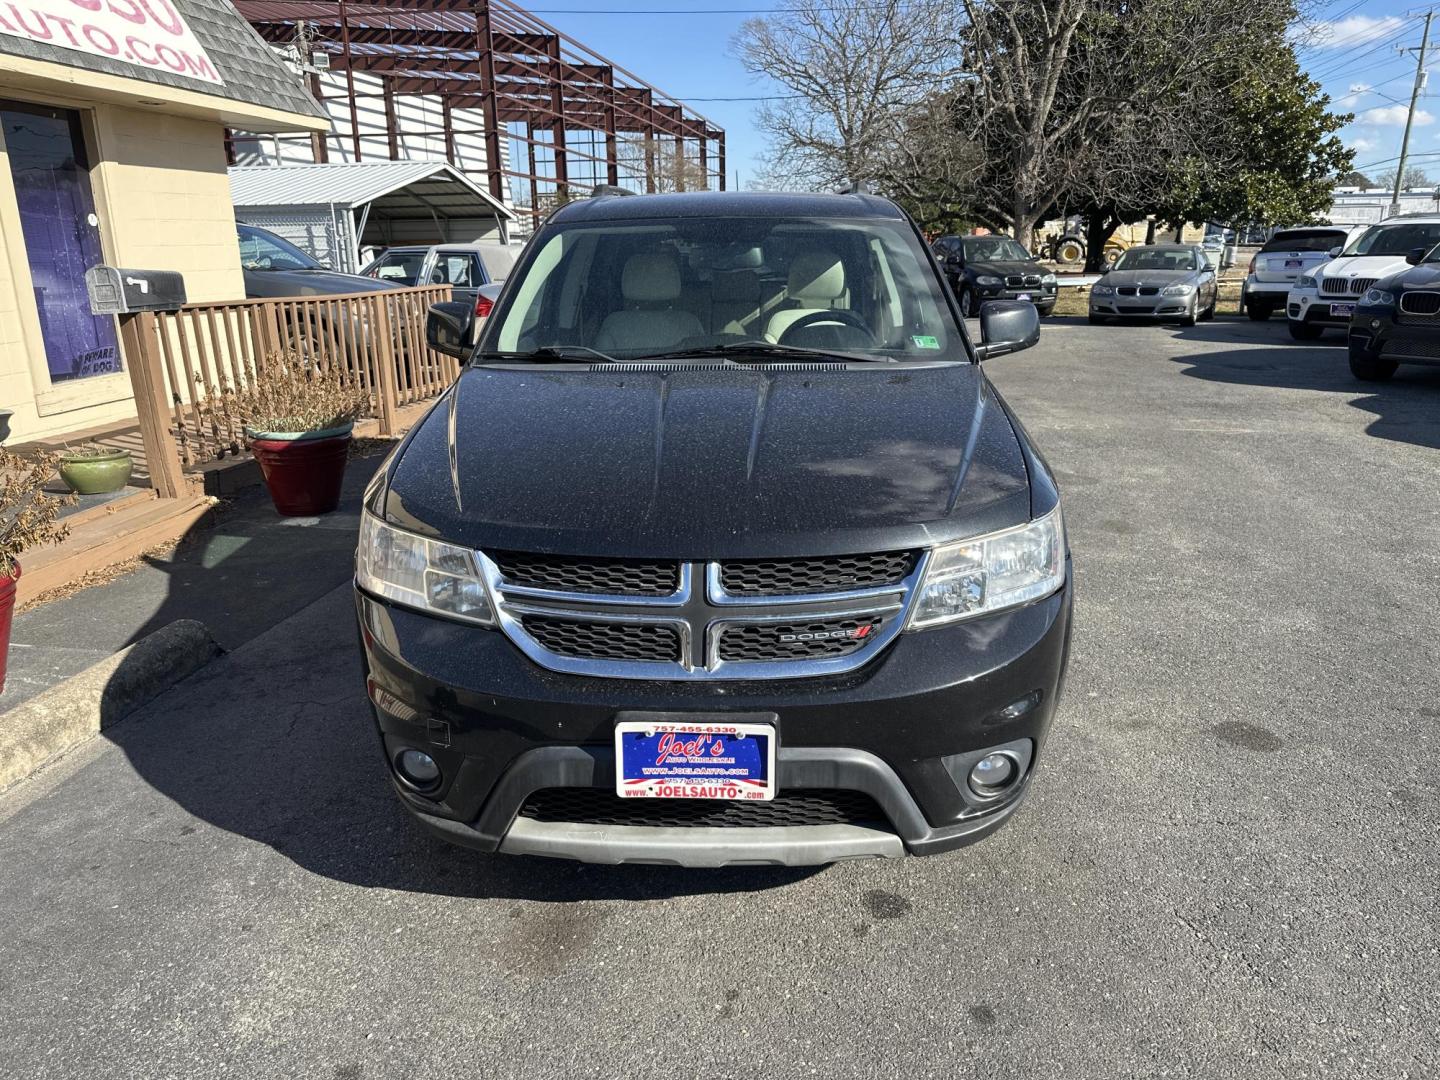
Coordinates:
[401,267]
[993,249]
[1395,239]
[1153,258]
[635,288]
[260,250]
[1304,240]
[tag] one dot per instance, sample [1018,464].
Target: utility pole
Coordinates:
[1420,77]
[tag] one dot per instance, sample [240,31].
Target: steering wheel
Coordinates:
[819,318]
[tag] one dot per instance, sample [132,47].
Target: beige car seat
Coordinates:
[817,280]
[652,280]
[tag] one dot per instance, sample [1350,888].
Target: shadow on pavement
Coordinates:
[275,742]
[1406,409]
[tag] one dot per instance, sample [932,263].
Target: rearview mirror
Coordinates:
[449,328]
[1007,326]
[1416,256]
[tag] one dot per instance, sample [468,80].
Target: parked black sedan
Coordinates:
[1397,321]
[981,268]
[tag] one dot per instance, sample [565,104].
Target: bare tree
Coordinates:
[856,75]
[665,163]
[1415,177]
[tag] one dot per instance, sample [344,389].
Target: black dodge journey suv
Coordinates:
[722,548]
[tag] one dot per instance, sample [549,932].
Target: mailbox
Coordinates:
[117,291]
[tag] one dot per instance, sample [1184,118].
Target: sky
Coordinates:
[684,48]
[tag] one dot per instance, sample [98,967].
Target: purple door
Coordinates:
[62,237]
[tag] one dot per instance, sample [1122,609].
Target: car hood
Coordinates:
[261,283]
[694,464]
[1424,276]
[1141,278]
[1005,267]
[1362,266]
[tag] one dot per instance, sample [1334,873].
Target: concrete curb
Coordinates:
[61,718]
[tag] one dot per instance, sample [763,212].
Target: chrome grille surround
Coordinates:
[1424,305]
[1345,287]
[698,613]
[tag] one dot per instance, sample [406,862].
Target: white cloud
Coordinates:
[1353,96]
[1393,115]
[1354,30]
[1361,145]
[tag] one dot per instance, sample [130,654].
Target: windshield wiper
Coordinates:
[766,350]
[559,353]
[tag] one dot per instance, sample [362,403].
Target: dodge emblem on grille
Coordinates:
[853,633]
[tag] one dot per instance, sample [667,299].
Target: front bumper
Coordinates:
[1042,296]
[1316,310]
[1141,307]
[904,731]
[1376,334]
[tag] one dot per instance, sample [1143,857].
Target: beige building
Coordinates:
[112,150]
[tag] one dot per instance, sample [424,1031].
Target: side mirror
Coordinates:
[449,328]
[1416,256]
[1007,326]
[1334,252]
[1104,268]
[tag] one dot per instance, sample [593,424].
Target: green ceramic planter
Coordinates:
[96,473]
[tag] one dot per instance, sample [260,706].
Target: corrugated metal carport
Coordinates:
[336,211]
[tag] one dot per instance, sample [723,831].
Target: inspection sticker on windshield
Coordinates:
[694,761]
[925,341]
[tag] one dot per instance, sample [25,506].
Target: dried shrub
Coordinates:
[28,516]
[289,394]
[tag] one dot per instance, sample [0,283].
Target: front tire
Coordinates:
[1098,320]
[968,307]
[1301,331]
[1209,312]
[1369,368]
[1193,315]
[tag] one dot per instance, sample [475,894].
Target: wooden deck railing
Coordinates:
[375,340]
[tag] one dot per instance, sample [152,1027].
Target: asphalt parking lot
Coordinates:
[1229,866]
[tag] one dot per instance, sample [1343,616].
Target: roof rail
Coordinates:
[856,187]
[602,190]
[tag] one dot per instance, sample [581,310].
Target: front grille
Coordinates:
[830,573]
[582,574]
[1346,286]
[604,640]
[1149,290]
[800,806]
[1019,281]
[801,640]
[1126,290]
[1420,303]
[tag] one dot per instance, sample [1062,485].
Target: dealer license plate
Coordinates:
[1338,311]
[663,760]
[1294,264]
[1023,296]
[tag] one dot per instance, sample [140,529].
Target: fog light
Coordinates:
[417,768]
[993,773]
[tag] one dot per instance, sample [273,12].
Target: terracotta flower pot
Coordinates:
[7,612]
[96,473]
[303,471]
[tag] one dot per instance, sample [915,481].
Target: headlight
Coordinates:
[420,573]
[1305,281]
[1379,298]
[988,573]
[1102,290]
[1047,279]
[1177,290]
[988,280]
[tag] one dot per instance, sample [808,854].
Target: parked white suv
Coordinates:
[1285,257]
[1326,296]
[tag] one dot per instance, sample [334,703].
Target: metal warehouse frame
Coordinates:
[571,108]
